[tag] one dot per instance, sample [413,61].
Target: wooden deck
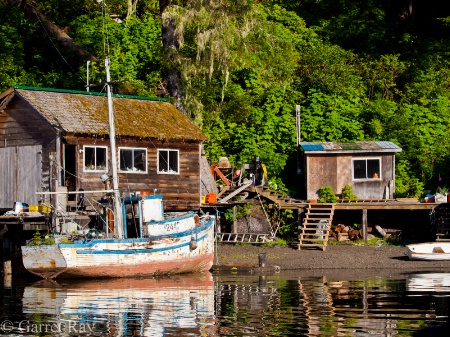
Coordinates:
[367,208]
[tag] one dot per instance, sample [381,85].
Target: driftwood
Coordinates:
[381,231]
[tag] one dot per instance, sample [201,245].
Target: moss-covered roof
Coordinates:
[78,112]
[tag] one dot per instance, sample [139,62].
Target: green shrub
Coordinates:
[48,240]
[347,193]
[36,239]
[326,195]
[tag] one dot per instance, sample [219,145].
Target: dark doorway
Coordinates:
[69,173]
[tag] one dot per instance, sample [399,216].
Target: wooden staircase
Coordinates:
[315,229]
[279,199]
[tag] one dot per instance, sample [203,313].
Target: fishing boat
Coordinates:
[160,243]
[430,251]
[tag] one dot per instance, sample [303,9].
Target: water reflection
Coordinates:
[329,305]
[319,303]
[122,307]
[436,282]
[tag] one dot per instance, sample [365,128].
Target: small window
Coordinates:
[95,158]
[366,169]
[133,160]
[168,161]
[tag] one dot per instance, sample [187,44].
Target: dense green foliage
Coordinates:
[326,194]
[361,70]
[347,193]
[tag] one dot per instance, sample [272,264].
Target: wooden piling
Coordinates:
[2,258]
[7,275]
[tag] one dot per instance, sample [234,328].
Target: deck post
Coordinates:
[300,216]
[234,229]
[364,224]
[7,274]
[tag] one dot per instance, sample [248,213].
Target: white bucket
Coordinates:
[20,207]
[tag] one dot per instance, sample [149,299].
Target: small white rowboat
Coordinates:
[431,251]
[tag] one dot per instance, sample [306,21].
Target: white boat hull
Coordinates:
[429,251]
[182,252]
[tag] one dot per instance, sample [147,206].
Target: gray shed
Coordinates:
[369,167]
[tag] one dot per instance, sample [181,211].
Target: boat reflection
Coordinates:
[122,307]
[437,282]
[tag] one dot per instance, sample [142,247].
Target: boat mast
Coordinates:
[118,219]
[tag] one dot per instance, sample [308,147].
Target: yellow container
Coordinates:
[39,208]
[44,209]
[203,199]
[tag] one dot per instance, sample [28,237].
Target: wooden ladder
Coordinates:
[315,229]
[243,237]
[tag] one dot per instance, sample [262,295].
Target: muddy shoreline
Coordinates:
[344,259]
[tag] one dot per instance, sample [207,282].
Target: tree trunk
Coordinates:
[63,39]
[170,42]
[131,8]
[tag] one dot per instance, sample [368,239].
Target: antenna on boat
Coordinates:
[118,218]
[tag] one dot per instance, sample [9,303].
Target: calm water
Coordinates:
[298,304]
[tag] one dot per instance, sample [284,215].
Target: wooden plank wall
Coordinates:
[336,170]
[7,181]
[180,191]
[29,168]
[26,142]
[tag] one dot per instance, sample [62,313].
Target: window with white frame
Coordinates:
[168,161]
[95,158]
[133,160]
[366,168]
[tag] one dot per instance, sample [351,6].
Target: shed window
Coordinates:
[133,160]
[168,161]
[366,168]
[95,158]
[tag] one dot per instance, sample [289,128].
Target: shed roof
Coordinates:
[79,112]
[351,147]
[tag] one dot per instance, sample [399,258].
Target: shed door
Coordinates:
[20,175]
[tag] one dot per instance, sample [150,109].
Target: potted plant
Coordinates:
[441,194]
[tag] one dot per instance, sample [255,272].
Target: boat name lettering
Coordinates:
[172,226]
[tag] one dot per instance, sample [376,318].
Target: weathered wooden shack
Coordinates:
[369,167]
[56,140]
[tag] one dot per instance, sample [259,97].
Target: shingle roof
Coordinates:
[78,112]
[380,146]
